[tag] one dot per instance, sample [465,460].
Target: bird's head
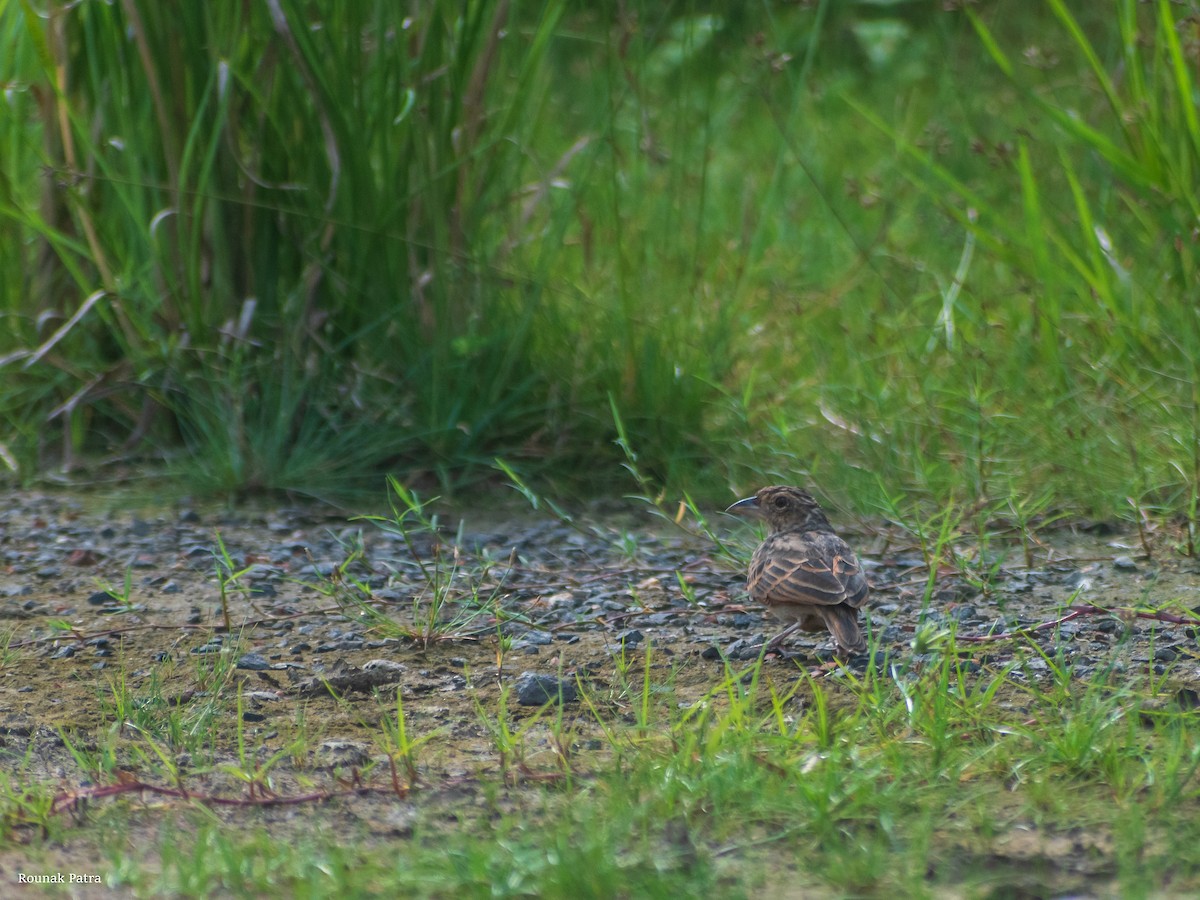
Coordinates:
[784,508]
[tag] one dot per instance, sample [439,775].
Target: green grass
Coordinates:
[899,782]
[782,242]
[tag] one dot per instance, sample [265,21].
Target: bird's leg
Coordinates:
[773,644]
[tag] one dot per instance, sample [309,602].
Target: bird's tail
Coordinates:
[842,621]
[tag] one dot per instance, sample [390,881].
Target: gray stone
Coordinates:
[745,648]
[534,689]
[385,665]
[343,753]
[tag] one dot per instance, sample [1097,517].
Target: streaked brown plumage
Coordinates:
[803,572]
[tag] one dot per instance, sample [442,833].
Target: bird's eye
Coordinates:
[780,502]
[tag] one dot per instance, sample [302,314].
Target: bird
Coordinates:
[803,572]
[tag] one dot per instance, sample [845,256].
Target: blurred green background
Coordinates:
[896,249]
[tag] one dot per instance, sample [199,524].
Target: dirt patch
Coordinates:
[120,667]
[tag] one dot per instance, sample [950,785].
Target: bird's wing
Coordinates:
[806,568]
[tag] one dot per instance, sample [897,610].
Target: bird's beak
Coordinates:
[747,507]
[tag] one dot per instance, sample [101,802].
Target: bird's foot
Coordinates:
[824,671]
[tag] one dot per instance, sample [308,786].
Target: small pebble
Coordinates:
[535,690]
[1186,698]
[1077,579]
[386,665]
[343,753]
[860,661]
[746,648]
[333,646]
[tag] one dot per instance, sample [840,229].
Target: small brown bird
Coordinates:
[804,572]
